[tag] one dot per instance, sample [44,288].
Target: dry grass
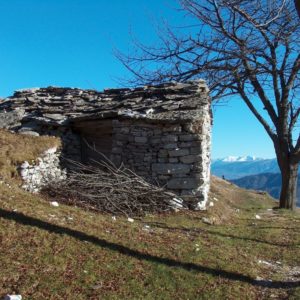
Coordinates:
[232,198]
[16,148]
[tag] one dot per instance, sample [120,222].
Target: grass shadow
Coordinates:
[33,222]
[198,231]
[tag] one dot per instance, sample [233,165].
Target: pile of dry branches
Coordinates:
[118,190]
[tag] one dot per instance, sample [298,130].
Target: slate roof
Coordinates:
[170,101]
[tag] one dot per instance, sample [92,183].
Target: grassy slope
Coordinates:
[67,253]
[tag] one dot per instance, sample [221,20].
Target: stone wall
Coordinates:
[46,169]
[71,145]
[11,119]
[177,156]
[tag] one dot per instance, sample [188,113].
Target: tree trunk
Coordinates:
[289,177]
[297,5]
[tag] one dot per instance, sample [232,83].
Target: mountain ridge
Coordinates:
[232,158]
[269,182]
[235,169]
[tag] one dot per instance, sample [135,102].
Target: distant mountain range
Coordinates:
[233,167]
[239,158]
[251,173]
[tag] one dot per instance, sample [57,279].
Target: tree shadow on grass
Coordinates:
[30,221]
[200,230]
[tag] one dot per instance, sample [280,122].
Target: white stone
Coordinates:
[265,263]
[51,150]
[258,217]
[13,297]
[146,228]
[207,221]
[201,205]
[25,165]
[211,204]
[24,173]
[130,220]
[30,132]
[54,203]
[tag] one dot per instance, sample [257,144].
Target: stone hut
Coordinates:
[162,132]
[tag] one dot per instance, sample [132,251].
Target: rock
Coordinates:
[130,220]
[188,137]
[170,146]
[189,159]
[258,217]
[11,118]
[141,139]
[146,228]
[56,117]
[13,297]
[173,160]
[168,168]
[25,165]
[182,183]
[169,139]
[179,152]
[29,132]
[265,263]
[50,151]
[207,221]
[54,203]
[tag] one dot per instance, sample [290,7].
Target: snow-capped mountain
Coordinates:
[238,158]
[233,167]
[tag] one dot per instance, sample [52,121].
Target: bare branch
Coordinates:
[117,190]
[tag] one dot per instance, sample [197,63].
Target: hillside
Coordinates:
[240,248]
[268,182]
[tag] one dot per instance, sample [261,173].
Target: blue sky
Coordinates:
[71,42]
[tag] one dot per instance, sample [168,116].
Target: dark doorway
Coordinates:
[96,140]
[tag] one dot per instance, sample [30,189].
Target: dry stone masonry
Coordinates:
[173,154]
[161,132]
[45,170]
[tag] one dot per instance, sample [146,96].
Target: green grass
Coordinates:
[66,252]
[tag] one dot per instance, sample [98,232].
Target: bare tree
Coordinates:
[244,48]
